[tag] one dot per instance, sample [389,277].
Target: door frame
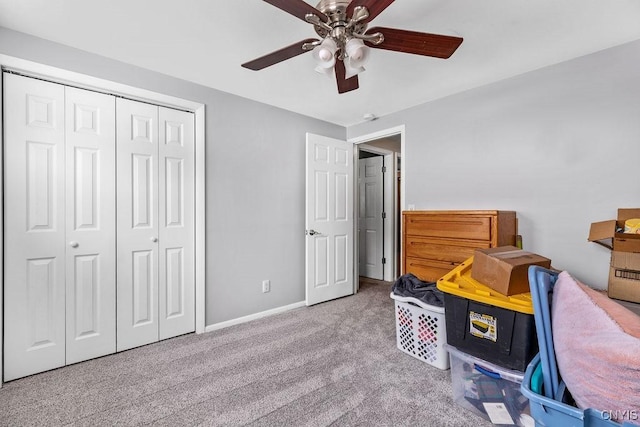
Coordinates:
[363,139]
[388,205]
[83,81]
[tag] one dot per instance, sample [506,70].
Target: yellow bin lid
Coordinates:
[459,282]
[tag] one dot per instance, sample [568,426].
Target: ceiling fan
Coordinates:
[345,39]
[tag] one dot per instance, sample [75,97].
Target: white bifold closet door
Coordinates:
[99,224]
[90,224]
[59,225]
[155,248]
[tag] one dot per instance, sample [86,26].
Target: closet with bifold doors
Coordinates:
[99,224]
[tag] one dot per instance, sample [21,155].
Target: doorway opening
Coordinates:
[379,204]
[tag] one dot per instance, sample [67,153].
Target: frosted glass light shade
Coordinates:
[325,53]
[350,71]
[357,53]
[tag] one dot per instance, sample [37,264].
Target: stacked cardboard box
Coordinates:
[624,272]
[506,268]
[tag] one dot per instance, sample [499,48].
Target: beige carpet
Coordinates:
[331,364]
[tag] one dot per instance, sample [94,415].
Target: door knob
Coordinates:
[74,244]
[312,232]
[154,239]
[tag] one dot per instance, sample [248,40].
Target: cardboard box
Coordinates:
[607,234]
[506,268]
[624,276]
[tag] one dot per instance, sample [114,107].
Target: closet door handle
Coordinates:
[74,244]
[154,239]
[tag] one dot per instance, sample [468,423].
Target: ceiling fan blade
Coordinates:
[298,8]
[375,7]
[344,85]
[415,42]
[278,56]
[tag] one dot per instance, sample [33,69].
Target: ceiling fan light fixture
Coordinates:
[345,38]
[357,52]
[325,53]
[350,70]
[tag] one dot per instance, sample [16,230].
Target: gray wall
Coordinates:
[559,145]
[255,180]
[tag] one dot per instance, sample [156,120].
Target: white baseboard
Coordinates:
[255,316]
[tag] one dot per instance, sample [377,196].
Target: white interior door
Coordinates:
[329,219]
[90,225]
[137,246]
[34,300]
[371,222]
[176,233]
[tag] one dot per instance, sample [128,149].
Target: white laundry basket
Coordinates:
[421,330]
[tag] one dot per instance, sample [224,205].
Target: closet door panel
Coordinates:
[90,225]
[137,226]
[34,300]
[176,244]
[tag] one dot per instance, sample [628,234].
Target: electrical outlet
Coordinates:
[412,207]
[266,286]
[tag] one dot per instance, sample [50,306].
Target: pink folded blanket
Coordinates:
[597,345]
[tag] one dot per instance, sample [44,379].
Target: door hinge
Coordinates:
[384,169]
[384,260]
[384,215]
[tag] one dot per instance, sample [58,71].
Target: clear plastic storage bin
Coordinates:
[488,390]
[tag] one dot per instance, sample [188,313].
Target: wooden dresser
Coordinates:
[434,242]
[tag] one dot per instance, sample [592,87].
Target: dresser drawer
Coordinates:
[455,251]
[427,270]
[449,226]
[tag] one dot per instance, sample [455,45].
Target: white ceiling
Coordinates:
[205,41]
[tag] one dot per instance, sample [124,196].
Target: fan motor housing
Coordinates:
[329,6]
[336,11]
